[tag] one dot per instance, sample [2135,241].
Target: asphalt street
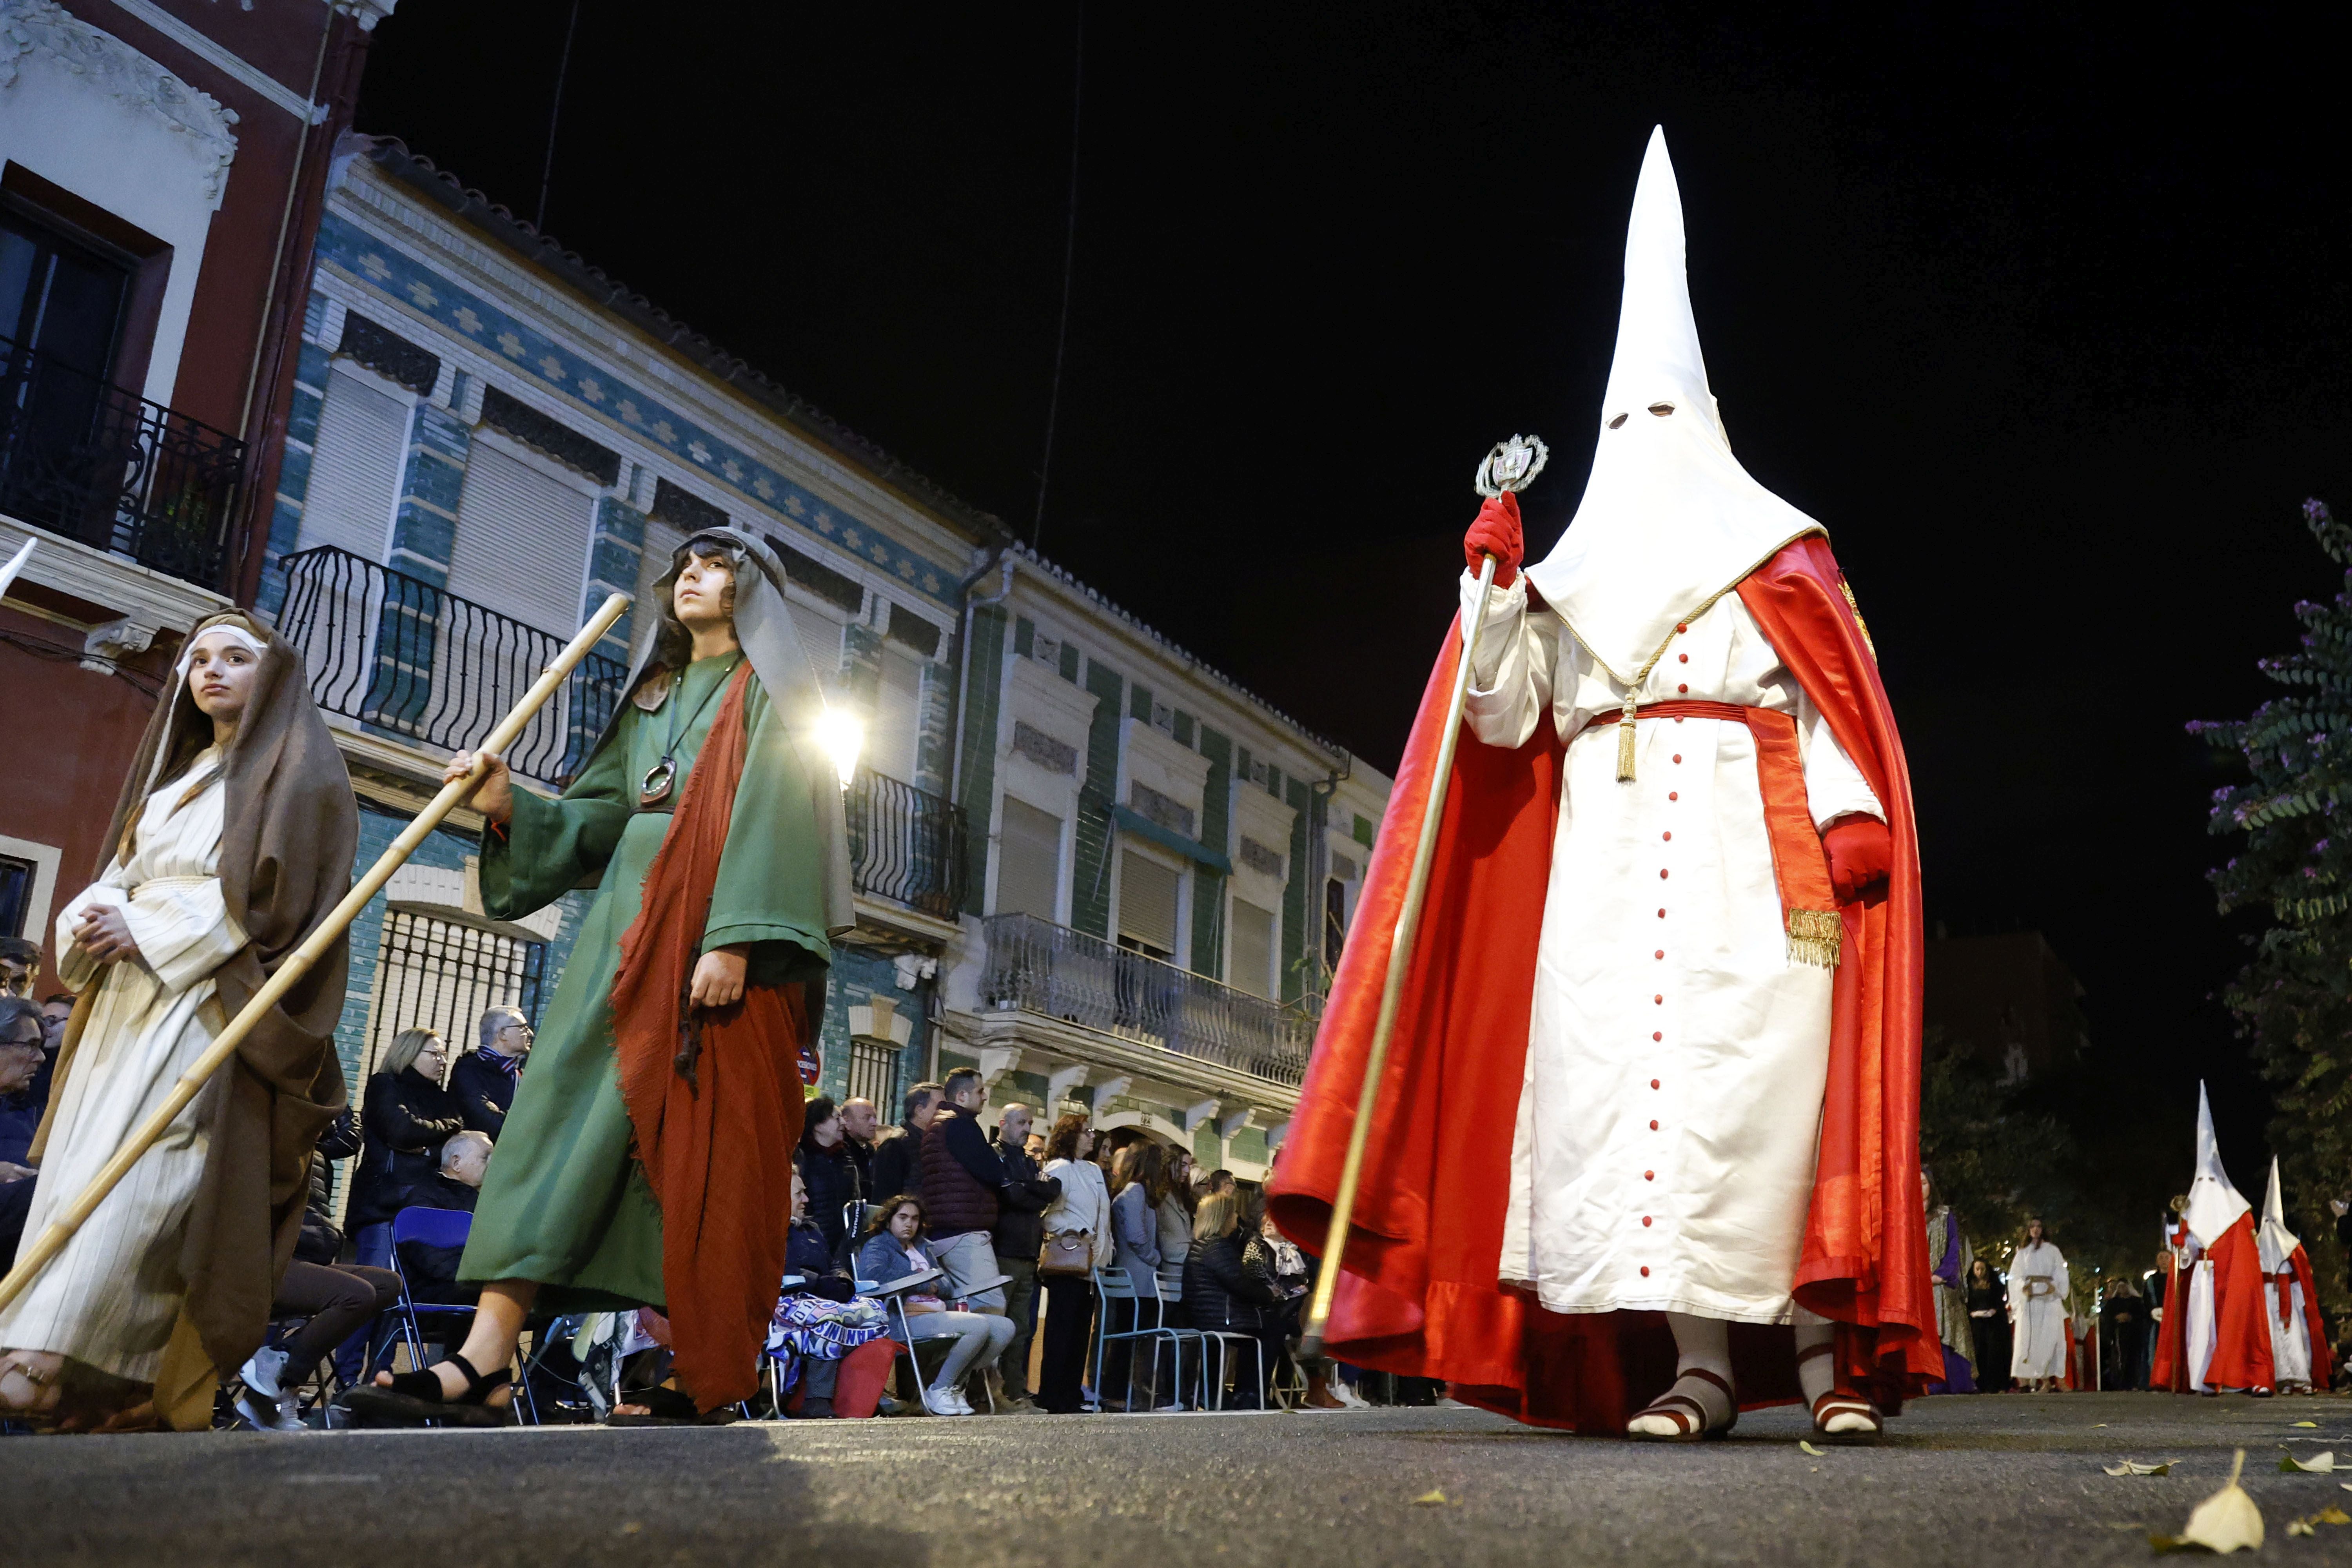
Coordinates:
[1958,1480]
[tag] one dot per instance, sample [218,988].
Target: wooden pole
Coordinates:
[298,963]
[1408,926]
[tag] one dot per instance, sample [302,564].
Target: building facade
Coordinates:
[160,165]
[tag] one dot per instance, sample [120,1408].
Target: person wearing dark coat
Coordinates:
[896,1166]
[828,1171]
[405,1119]
[484,1080]
[1221,1295]
[1020,1236]
[1989,1326]
[456,1184]
[963,1183]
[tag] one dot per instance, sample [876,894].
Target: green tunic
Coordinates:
[566,1202]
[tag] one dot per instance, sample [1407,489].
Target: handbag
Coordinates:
[1066,1253]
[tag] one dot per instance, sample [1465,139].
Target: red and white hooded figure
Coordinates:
[2229,1334]
[1673,926]
[2299,1355]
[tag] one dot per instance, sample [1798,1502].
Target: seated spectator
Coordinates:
[821,1318]
[825,1164]
[22,1102]
[893,1247]
[405,1119]
[20,1064]
[484,1079]
[337,1301]
[431,1271]
[1223,1295]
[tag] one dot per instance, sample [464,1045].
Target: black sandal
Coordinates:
[415,1397]
[668,1408]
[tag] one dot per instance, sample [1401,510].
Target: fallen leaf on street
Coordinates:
[2318,1464]
[1808,1448]
[2129,1468]
[2308,1523]
[2226,1521]
[2307,1423]
[1434,1497]
[2331,1514]
[2096,1424]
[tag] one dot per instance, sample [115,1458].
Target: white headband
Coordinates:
[227,629]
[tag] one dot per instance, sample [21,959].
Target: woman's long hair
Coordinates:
[1062,1142]
[1141,1162]
[405,1048]
[1217,1218]
[879,1215]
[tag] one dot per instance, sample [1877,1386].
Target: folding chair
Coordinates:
[893,1298]
[430,1228]
[1217,1339]
[1115,1285]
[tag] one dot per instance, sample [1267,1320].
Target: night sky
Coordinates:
[2043,320]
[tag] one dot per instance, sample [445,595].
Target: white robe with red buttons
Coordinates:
[1663,962]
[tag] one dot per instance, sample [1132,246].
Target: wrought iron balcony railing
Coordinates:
[905,844]
[1039,967]
[407,660]
[84,458]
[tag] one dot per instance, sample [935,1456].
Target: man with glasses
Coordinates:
[484,1079]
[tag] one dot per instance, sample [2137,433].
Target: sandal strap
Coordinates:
[1706,1376]
[1664,1406]
[1835,1403]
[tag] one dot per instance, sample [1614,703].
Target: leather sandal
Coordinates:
[415,1397]
[1836,1403]
[1686,1412]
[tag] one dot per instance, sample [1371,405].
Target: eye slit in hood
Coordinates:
[1661,409]
[1618,422]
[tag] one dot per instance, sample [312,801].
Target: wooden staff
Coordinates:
[1511,466]
[298,963]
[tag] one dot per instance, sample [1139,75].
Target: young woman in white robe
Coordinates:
[2037,1286]
[149,947]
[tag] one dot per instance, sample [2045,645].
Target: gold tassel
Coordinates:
[1625,743]
[1814,936]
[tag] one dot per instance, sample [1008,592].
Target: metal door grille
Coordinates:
[874,1073]
[441,975]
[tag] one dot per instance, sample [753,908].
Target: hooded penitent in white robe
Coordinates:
[1677,1053]
[110,1297]
[2227,1344]
[2038,1285]
[2289,1315]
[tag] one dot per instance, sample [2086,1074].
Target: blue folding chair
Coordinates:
[426,1227]
[1115,1285]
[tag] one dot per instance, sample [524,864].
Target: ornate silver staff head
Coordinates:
[1512,465]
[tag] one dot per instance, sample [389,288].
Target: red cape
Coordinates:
[2170,1371]
[2241,1316]
[1420,1293]
[2323,1363]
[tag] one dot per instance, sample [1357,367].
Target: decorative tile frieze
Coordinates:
[1043,750]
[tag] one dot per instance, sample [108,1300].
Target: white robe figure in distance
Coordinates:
[110,1298]
[2288,1312]
[2038,1287]
[1677,1052]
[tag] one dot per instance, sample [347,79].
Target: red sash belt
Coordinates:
[1801,870]
[2285,1279]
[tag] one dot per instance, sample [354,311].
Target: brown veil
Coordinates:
[288,834]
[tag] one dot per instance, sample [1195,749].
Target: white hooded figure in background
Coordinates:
[2038,1287]
[1663,1157]
[2289,1314]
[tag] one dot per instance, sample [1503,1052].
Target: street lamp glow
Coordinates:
[843,737]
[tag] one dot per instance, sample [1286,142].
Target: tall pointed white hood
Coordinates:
[1669,519]
[2214,1204]
[2276,1242]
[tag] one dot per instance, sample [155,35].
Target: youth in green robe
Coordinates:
[566,1202]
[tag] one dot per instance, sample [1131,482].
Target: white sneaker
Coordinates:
[261,1372]
[1345,1392]
[943,1402]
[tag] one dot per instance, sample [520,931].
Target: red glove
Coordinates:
[1497,533]
[1860,852]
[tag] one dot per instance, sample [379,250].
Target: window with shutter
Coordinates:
[521,545]
[1253,966]
[821,633]
[355,469]
[1147,905]
[898,701]
[1028,862]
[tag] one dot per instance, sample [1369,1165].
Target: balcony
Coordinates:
[400,658]
[84,458]
[1035,966]
[906,844]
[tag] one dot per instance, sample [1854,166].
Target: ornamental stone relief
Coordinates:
[30,29]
